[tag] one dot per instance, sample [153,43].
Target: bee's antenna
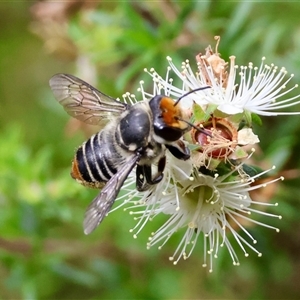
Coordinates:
[197,128]
[190,92]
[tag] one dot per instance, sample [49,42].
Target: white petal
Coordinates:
[246,137]
[229,109]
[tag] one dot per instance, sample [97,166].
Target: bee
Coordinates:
[132,135]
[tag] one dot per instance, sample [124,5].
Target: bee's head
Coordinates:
[167,119]
[170,121]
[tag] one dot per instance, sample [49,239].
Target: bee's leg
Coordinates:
[160,169]
[141,181]
[159,175]
[144,175]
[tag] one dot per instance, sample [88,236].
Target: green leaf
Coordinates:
[199,114]
[252,170]
[256,119]
[248,118]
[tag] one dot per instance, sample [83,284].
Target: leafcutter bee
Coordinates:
[135,135]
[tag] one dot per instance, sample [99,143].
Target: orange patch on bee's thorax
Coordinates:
[170,112]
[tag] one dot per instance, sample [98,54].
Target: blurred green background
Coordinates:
[43,251]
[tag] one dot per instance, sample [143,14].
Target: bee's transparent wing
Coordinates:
[102,204]
[84,102]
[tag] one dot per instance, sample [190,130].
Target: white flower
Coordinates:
[208,196]
[259,90]
[202,205]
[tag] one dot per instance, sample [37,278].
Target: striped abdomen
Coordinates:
[96,160]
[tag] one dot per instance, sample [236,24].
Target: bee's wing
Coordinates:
[102,204]
[84,102]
